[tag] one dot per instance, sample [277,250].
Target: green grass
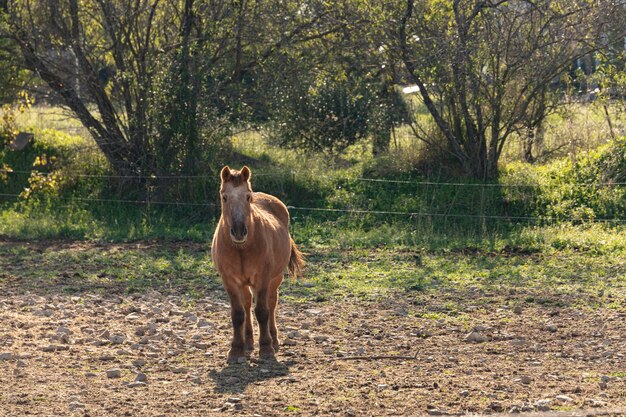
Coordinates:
[458,279]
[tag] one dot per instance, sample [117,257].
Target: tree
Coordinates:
[152,80]
[339,90]
[484,67]
[10,75]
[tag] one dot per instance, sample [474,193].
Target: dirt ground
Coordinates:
[156,354]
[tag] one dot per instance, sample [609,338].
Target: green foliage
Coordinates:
[11,75]
[331,114]
[590,188]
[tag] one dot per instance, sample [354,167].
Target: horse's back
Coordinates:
[273,206]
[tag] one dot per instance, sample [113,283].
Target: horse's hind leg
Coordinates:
[238,316]
[273,302]
[262,312]
[247,303]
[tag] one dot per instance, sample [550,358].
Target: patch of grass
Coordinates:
[456,279]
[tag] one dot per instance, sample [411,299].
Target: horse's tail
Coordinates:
[296,261]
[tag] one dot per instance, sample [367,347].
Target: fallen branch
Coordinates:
[372,358]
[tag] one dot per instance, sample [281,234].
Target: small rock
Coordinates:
[180,370]
[552,328]
[203,323]
[49,348]
[289,342]
[517,310]
[64,330]
[475,336]
[605,379]
[435,412]
[464,393]
[117,339]
[564,398]
[75,405]
[132,317]
[381,387]
[543,405]
[320,338]
[141,377]
[294,334]
[596,403]
[519,342]
[526,380]
[233,400]
[400,312]
[21,363]
[496,406]
[137,384]
[196,380]
[44,312]
[114,373]
[139,362]
[200,345]
[6,356]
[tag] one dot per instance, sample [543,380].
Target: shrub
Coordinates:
[591,188]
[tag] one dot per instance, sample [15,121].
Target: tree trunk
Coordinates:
[381,140]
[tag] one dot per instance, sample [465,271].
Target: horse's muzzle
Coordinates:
[239,235]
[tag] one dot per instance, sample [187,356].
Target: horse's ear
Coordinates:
[225,174]
[245,173]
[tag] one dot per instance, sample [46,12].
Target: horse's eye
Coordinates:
[248,198]
[224,197]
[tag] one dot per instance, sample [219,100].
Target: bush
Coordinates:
[334,114]
[591,188]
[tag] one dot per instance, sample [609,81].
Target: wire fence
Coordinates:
[474,204]
[291,173]
[291,208]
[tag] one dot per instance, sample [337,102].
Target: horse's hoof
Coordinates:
[267,353]
[234,358]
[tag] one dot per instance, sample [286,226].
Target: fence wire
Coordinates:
[345,210]
[361,179]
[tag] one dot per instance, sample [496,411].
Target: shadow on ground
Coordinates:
[234,378]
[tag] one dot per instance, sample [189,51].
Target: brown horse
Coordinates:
[251,250]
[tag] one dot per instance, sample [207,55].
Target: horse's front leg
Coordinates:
[262,312]
[247,303]
[238,317]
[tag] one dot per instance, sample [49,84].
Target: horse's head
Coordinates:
[236,196]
